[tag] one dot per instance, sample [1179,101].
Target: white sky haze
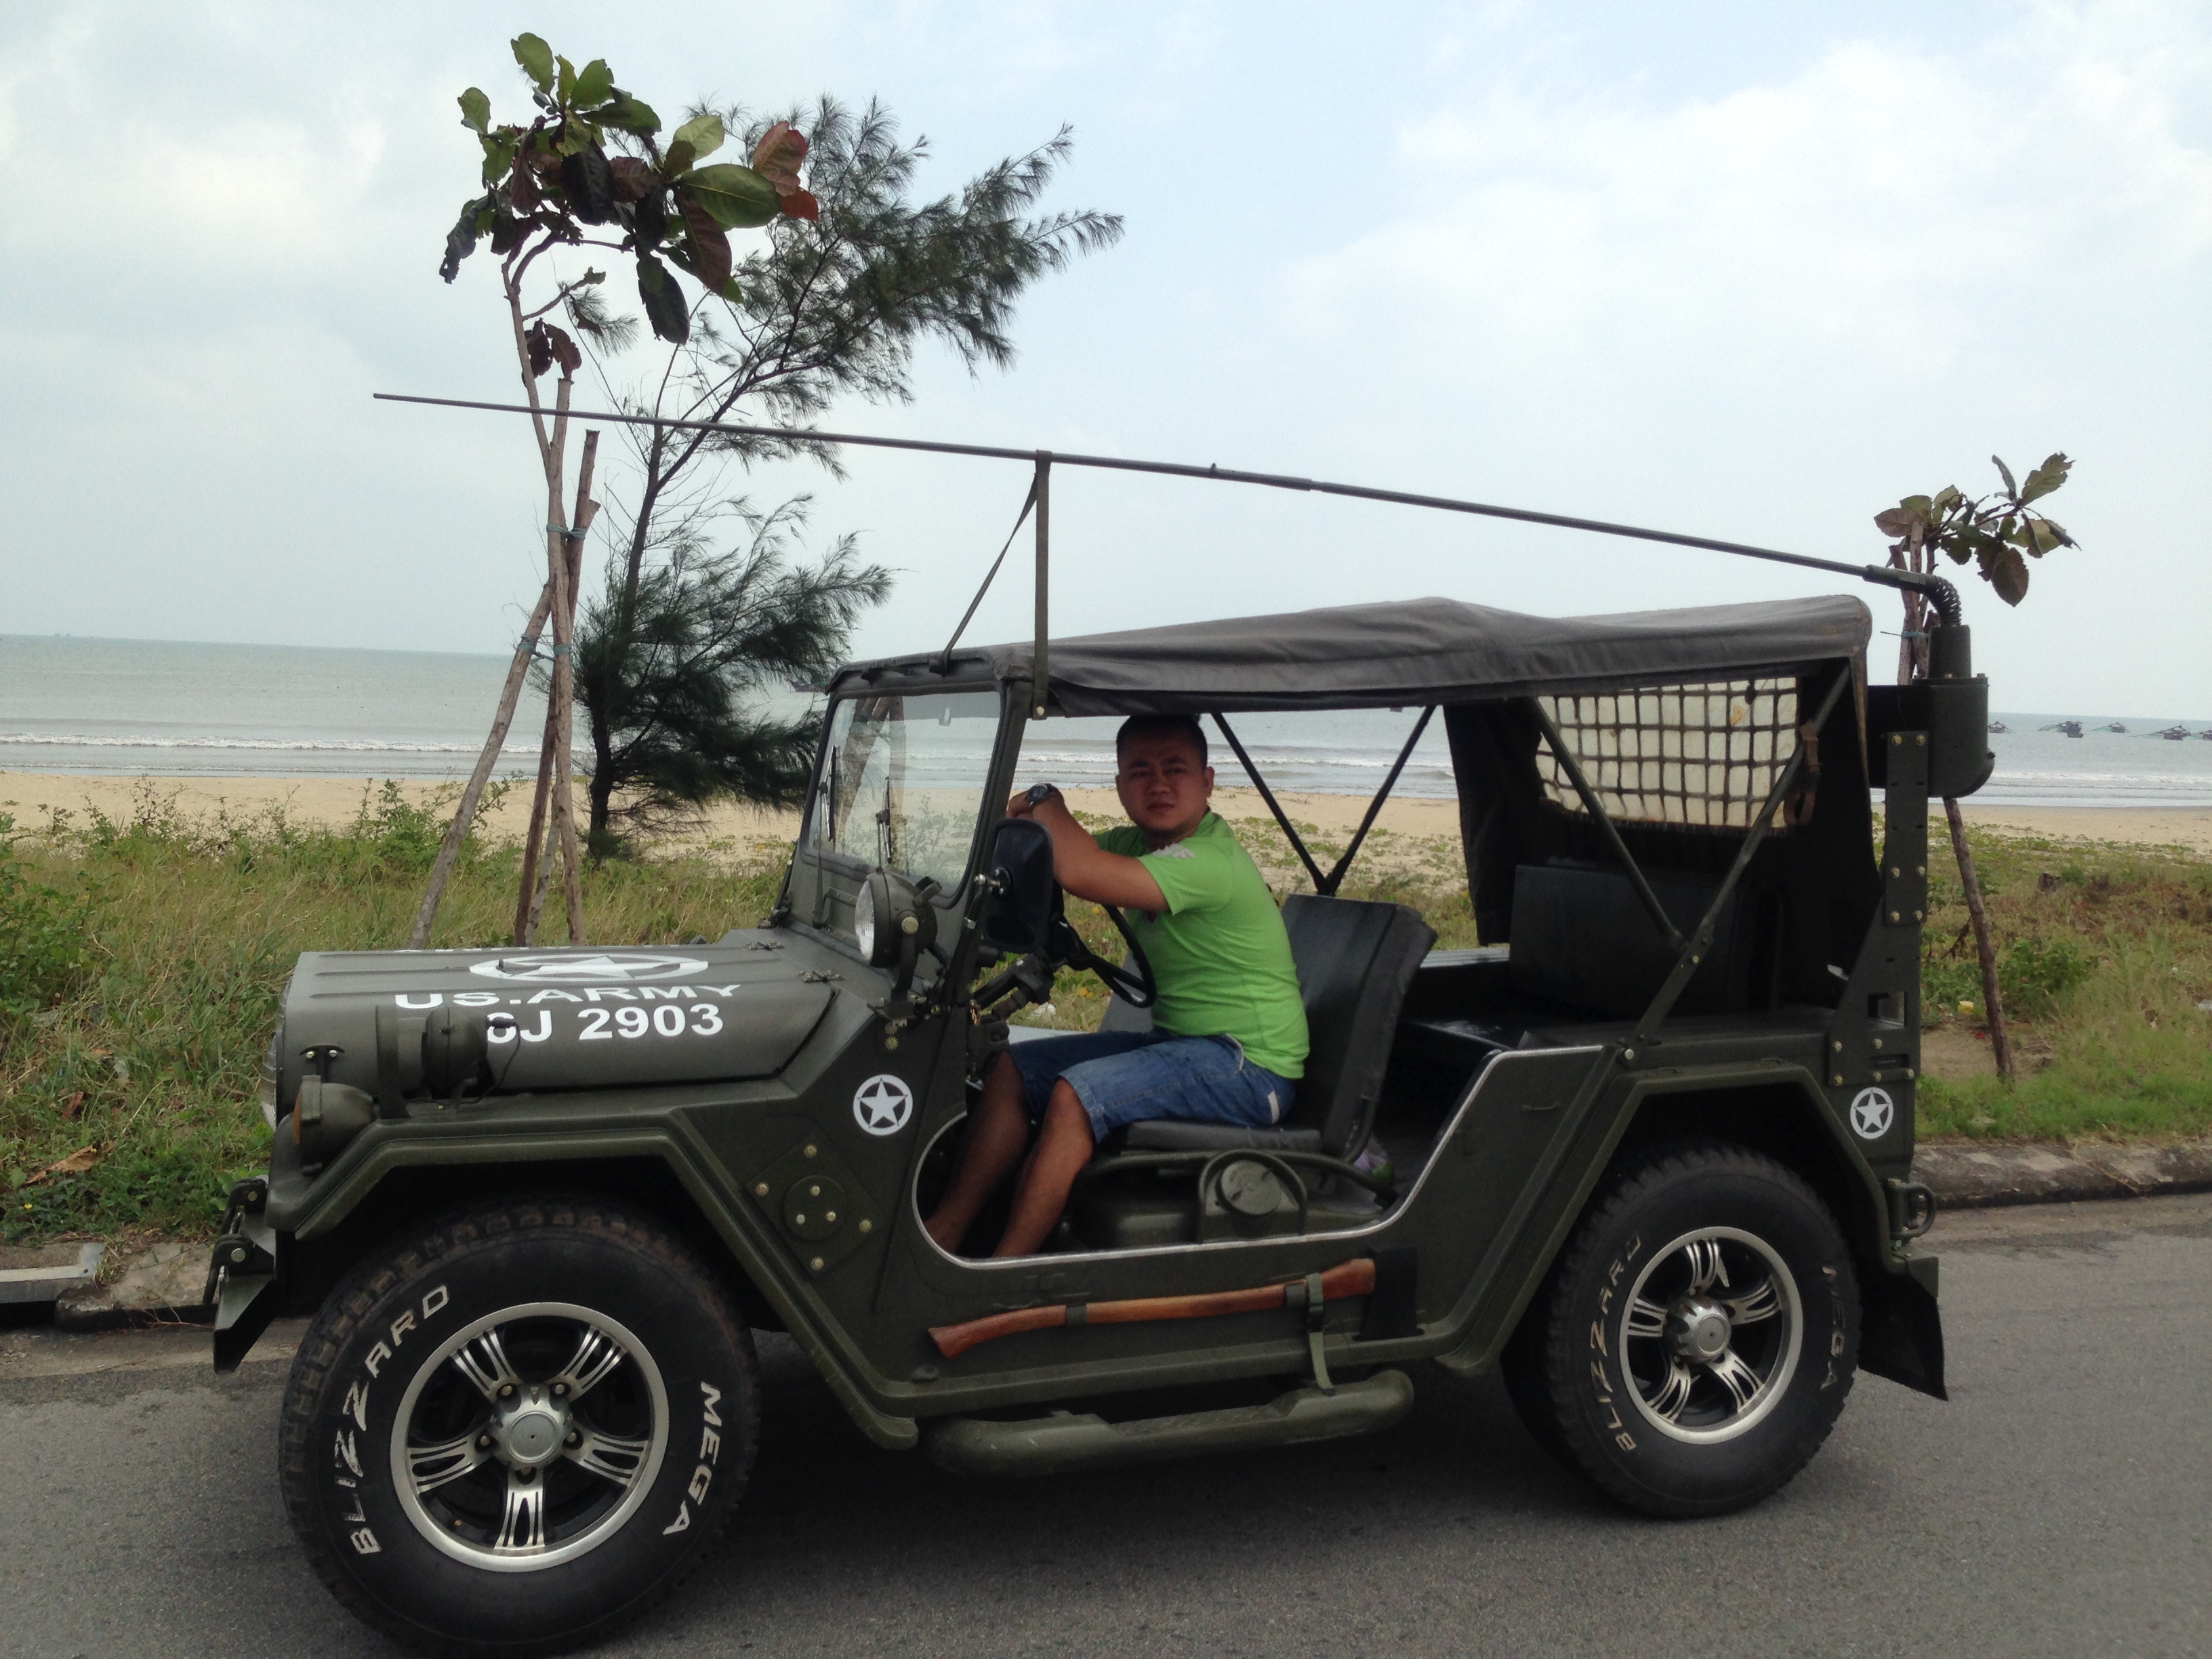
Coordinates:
[1741,270]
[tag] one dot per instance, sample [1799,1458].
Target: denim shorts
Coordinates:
[1125,1077]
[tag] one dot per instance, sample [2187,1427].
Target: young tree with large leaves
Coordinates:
[589,169]
[832,301]
[1998,533]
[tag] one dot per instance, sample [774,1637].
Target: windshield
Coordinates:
[901,781]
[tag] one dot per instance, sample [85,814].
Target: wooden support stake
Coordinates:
[457,833]
[535,843]
[564,674]
[548,845]
[548,853]
[1978,912]
[529,896]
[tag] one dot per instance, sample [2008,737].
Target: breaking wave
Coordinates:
[282,746]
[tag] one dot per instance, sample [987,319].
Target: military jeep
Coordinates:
[1647,1149]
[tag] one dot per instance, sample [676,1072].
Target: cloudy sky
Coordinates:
[1740,269]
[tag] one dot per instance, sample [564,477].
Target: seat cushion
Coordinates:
[1161,1134]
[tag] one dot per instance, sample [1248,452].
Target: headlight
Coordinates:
[864,920]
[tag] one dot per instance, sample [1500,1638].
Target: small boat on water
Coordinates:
[2071,728]
[2116,727]
[2176,733]
[1998,728]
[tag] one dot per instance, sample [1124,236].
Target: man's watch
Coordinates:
[1039,793]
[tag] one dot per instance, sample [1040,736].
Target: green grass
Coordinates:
[2104,953]
[141,959]
[148,1048]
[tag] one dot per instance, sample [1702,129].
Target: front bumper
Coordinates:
[242,1274]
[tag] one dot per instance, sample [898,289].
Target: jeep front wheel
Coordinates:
[1699,1337]
[519,1431]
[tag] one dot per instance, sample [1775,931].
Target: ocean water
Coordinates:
[134,707]
[142,706]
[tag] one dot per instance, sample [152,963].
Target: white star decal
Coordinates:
[587,968]
[882,1104]
[1872,1111]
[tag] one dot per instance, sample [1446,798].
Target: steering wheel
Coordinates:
[1064,945]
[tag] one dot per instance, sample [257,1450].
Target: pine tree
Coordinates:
[830,304]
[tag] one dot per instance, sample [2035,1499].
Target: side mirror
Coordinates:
[1017,911]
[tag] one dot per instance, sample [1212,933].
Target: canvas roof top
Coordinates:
[1404,652]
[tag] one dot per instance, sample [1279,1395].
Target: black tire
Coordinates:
[1698,1338]
[1526,1384]
[519,1431]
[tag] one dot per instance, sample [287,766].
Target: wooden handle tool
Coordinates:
[1353,1278]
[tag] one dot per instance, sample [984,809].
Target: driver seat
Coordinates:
[1355,959]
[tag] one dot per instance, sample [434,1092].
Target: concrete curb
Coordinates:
[1971,1175]
[162,1285]
[42,1274]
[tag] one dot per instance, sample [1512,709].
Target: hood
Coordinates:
[579,1017]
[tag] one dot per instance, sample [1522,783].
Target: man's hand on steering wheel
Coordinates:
[1135,987]
[1064,947]
[1109,881]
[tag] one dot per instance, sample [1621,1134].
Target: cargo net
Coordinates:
[1697,756]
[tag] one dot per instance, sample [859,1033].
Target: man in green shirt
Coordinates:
[1229,1037]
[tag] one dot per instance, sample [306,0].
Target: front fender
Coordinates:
[305,1212]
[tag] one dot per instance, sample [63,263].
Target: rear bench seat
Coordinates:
[1585,950]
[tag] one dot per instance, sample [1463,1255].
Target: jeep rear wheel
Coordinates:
[1697,1340]
[520,1431]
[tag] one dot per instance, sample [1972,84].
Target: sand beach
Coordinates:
[34,797]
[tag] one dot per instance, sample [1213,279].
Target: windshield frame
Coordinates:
[990,806]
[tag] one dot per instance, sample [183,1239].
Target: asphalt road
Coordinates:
[2061,1503]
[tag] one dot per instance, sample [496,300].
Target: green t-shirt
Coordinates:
[1220,956]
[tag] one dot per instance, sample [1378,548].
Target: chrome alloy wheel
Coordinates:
[529,1437]
[1710,1335]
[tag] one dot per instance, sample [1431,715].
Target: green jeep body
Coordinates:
[782,1106]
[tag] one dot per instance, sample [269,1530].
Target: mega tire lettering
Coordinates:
[710,1455]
